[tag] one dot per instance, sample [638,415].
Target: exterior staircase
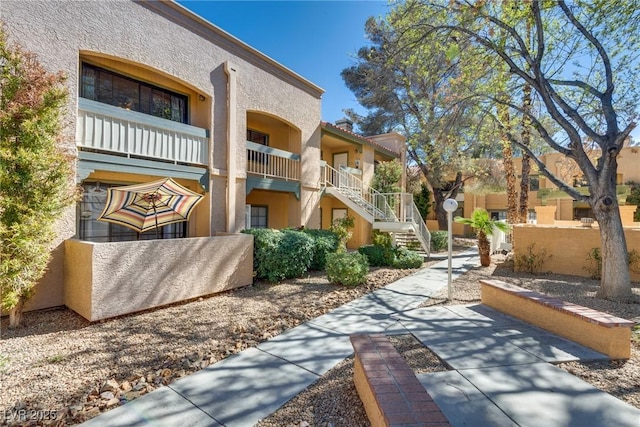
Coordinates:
[394,213]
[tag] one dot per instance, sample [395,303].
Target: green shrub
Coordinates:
[325,242]
[279,255]
[532,260]
[382,238]
[378,256]
[342,227]
[439,240]
[407,259]
[347,268]
[594,259]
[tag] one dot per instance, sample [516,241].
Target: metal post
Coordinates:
[450,205]
[450,249]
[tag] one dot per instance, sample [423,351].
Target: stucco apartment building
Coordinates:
[156,91]
[548,204]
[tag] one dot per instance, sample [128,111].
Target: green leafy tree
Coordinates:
[35,176]
[412,88]
[387,177]
[484,226]
[422,199]
[581,65]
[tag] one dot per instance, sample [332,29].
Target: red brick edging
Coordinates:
[391,393]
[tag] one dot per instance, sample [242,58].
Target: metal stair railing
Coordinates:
[422,232]
[366,197]
[407,211]
[389,207]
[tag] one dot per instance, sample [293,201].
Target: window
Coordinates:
[579,213]
[534,183]
[257,137]
[259,216]
[111,88]
[94,199]
[498,215]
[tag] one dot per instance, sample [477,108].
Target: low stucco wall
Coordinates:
[612,340]
[457,228]
[569,246]
[104,280]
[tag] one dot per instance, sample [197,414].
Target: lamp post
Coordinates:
[450,205]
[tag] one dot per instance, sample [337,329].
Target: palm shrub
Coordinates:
[347,268]
[482,223]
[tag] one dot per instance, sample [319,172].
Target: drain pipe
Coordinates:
[231,145]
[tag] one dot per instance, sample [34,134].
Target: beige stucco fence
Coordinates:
[568,246]
[104,280]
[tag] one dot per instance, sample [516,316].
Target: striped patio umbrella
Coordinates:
[143,207]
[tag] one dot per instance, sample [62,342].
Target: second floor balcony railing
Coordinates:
[269,162]
[105,128]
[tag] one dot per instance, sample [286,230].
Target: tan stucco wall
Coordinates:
[457,229]
[367,165]
[310,207]
[127,277]
[277,203]
[613,341]
[361,232]
[569,246]
[79,277]
[545,214]
[178,50]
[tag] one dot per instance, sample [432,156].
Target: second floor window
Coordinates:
[111,88]
[257,137]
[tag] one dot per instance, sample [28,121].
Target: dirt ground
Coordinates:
[60,364]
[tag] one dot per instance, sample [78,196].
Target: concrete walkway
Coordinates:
[500,377]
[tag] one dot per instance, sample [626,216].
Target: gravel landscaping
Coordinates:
[60,362]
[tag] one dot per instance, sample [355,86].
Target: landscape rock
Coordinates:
[110,385]
[107,395]
[135,347]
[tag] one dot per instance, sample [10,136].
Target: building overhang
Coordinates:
[89,162]
[255,182]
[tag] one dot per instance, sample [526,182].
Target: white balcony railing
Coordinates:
[269,162]
[105,128]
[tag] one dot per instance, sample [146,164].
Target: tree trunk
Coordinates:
[615,284]
[484,249]
[15,314]
[440,195]
[526,164]
[441,214]
[509,168]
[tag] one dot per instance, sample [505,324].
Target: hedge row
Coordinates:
[383,256]
[289,253]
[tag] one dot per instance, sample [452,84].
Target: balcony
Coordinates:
[105,128]
[268,162]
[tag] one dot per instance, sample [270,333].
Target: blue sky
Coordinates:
[314,38]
